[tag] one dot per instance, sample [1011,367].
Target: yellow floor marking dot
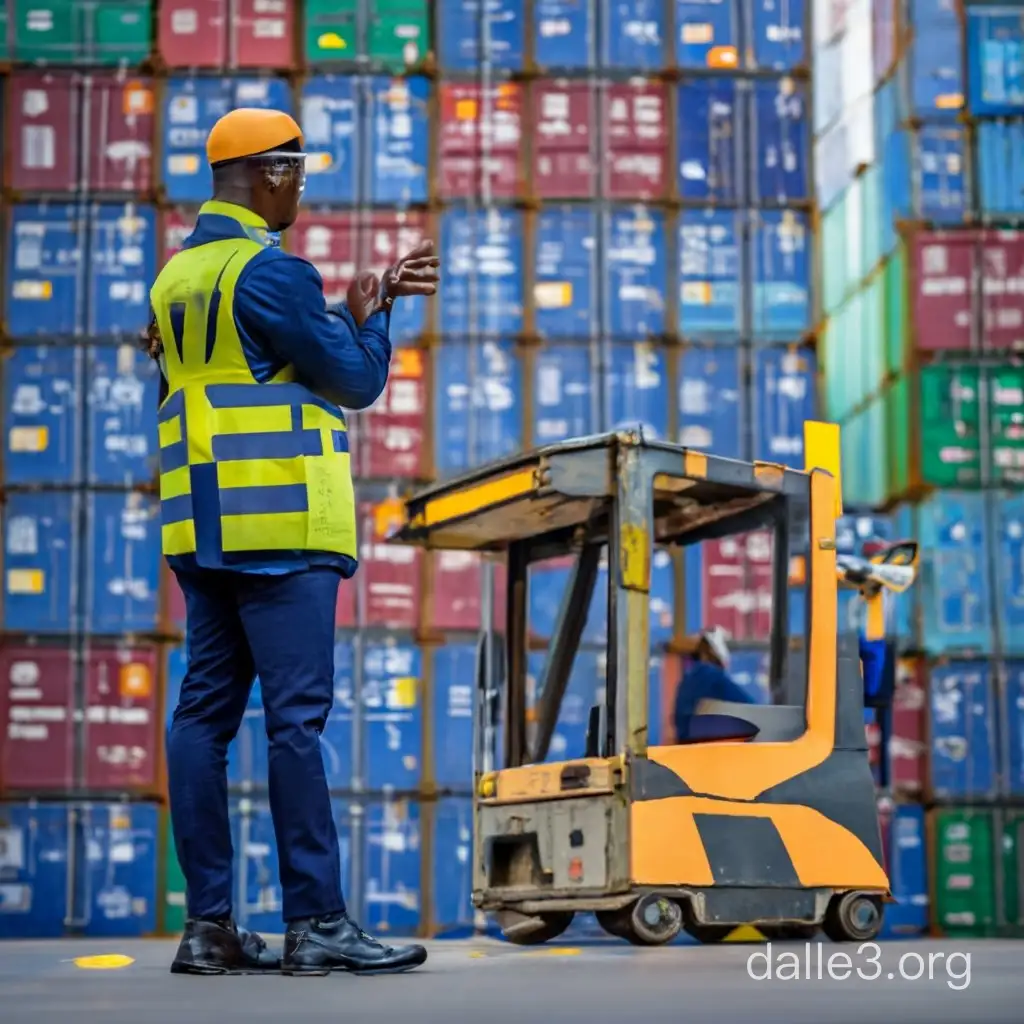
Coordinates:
[477,955]
[106,962]
[556,951]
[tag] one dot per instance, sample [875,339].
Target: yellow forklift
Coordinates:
[766,815]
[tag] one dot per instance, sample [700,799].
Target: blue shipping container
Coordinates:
[586,682]
[709,115]
[482,252]
[454,914]
[114,888]
[853,533]
[461,36]
[398,127]
[331,125]
[906,860]
[564,34]
[781,260]
[999,166]
[122,266]
[478,410]
[258,904]
[565,399]
[1012,714]
[565,267]
[783,399]
[191,108]
[636,266]
[453,672]
[33,870]
[777,33]
[123,569]
[633,34]
[711,416]
[952,591]
[117,858]
[780,142]
[707,34]
[962,727]
[934,85]
[42,387]
[177,665]
[710,273]
[392,715]
[1009,534]
[750,670]
[925,173]
[636,389]
[548,581]
[392,904]
[45,271]
[40,562]
[995,74]
[123,390]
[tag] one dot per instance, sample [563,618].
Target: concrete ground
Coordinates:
[977,981]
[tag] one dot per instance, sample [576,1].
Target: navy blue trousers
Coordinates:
[282,629]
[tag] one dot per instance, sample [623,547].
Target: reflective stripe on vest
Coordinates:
[244,467]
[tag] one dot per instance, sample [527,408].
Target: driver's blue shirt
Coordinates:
[704,681]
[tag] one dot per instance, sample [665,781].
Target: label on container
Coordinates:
[25,581]
[29,439]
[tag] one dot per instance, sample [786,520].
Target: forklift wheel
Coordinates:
[853,917]
[535,931]
[651,921]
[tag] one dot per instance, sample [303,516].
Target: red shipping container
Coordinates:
[384,237]
[387,440]
[330,242]
[564,166]
[175,601]
[345,609]
[942,267]
[672,676]
[119,116]
[908,747]
[736,585]
[37,742]
[1002,290]
[480,137]
[42,134]
[389,577]
[635,116]
[458,592]
[262,34]
[178,225]
[193,33]
[121,720]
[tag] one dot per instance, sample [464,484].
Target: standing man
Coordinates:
[259,528]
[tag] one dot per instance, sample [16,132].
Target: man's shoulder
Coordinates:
[274,267]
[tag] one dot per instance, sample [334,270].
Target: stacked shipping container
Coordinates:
[923,294]
[622,197]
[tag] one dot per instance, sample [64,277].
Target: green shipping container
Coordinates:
[896,326]
[397,32]
[956,426]
[174,887]
[833,257]
[1012,921]
[963,871]
[83,31]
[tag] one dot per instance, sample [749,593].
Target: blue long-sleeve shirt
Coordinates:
[704,680]
[282,317]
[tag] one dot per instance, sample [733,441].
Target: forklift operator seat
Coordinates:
[775,723]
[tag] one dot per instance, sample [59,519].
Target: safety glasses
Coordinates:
[280,163]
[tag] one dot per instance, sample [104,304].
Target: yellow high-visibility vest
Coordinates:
[245,467]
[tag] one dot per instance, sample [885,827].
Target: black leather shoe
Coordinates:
[318,946]
[219,947]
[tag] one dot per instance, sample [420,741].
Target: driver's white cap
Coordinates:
[715,639]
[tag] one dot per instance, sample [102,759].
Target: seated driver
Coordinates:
[707,678]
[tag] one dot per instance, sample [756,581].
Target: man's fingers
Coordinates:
[419,274]
[424,250]
[406,288]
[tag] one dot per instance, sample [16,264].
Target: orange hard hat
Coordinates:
[249,131]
